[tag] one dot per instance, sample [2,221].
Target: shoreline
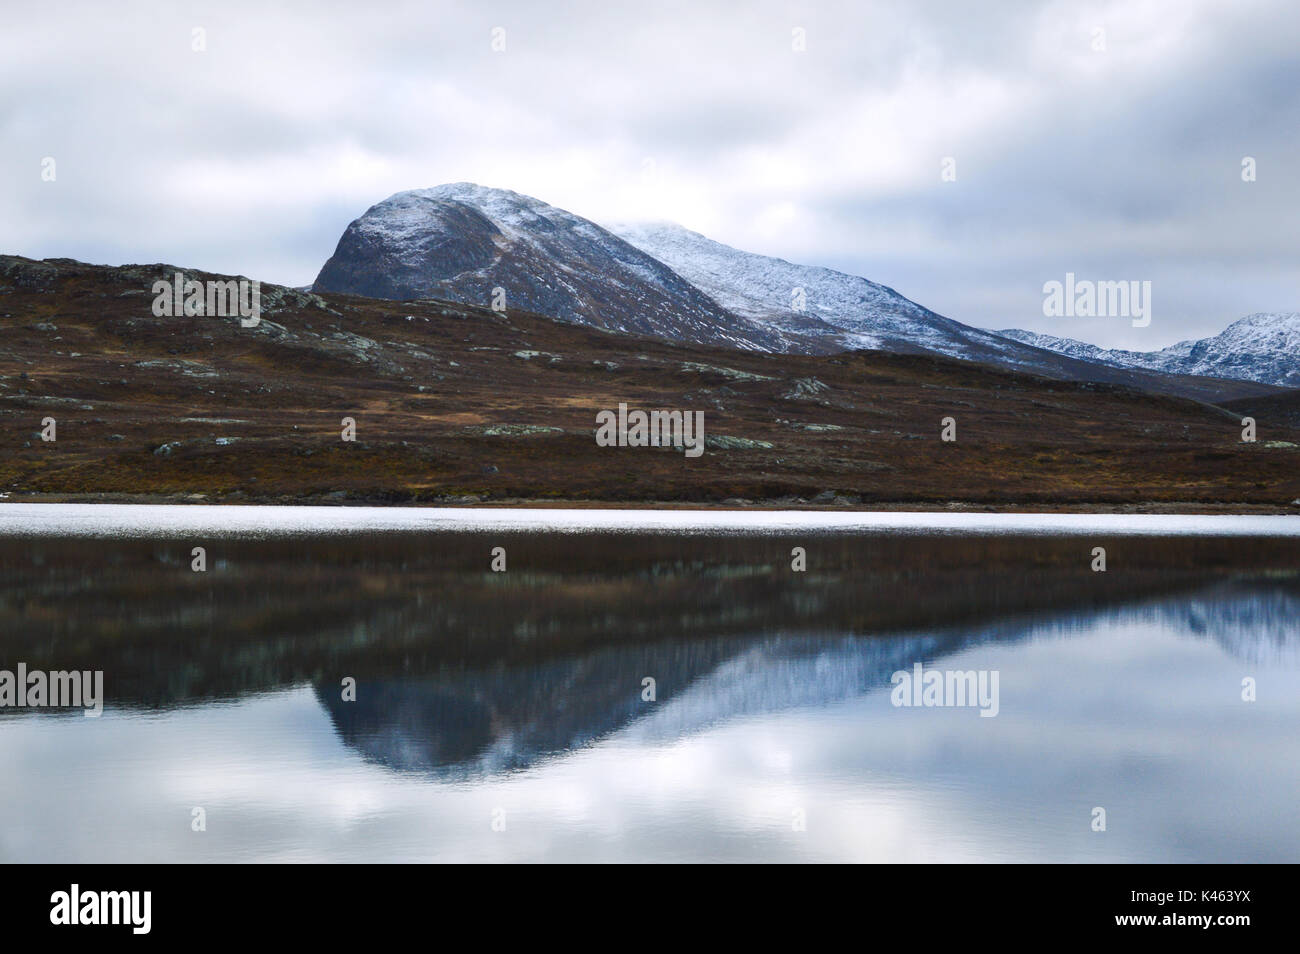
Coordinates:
[1176,508]
[68,520]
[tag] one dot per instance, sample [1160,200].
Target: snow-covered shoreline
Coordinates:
[162,520]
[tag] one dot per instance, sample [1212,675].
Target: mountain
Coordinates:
[1070,347]
[1261,347]
[858,312]
[864,314]
[461,241]
[861,313]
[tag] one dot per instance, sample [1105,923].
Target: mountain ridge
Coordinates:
[494,247]
[1262,347]
[871,315]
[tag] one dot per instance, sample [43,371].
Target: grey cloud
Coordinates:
[252,156]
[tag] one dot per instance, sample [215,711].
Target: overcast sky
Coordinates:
[1105,139]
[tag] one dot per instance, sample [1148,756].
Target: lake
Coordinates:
[360,684]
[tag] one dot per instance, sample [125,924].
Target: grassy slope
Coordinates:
[427,382]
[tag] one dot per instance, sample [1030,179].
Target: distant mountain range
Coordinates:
[463,242]
[1259,347]
[858,313]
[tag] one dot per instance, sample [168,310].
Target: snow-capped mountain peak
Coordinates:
[851,311]
[490,247]
[465,242]
[1263,347]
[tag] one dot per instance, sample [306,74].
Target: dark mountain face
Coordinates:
[462,242]
[459,239]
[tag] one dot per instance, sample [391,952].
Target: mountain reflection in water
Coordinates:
[772,688]
[477,721]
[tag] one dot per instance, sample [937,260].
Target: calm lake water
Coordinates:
[503,716]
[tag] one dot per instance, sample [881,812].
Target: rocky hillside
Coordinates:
[456,403]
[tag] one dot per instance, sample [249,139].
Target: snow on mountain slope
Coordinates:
[1261,347]
[466,242]
[862,313]
[461,241]
[1070,346]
